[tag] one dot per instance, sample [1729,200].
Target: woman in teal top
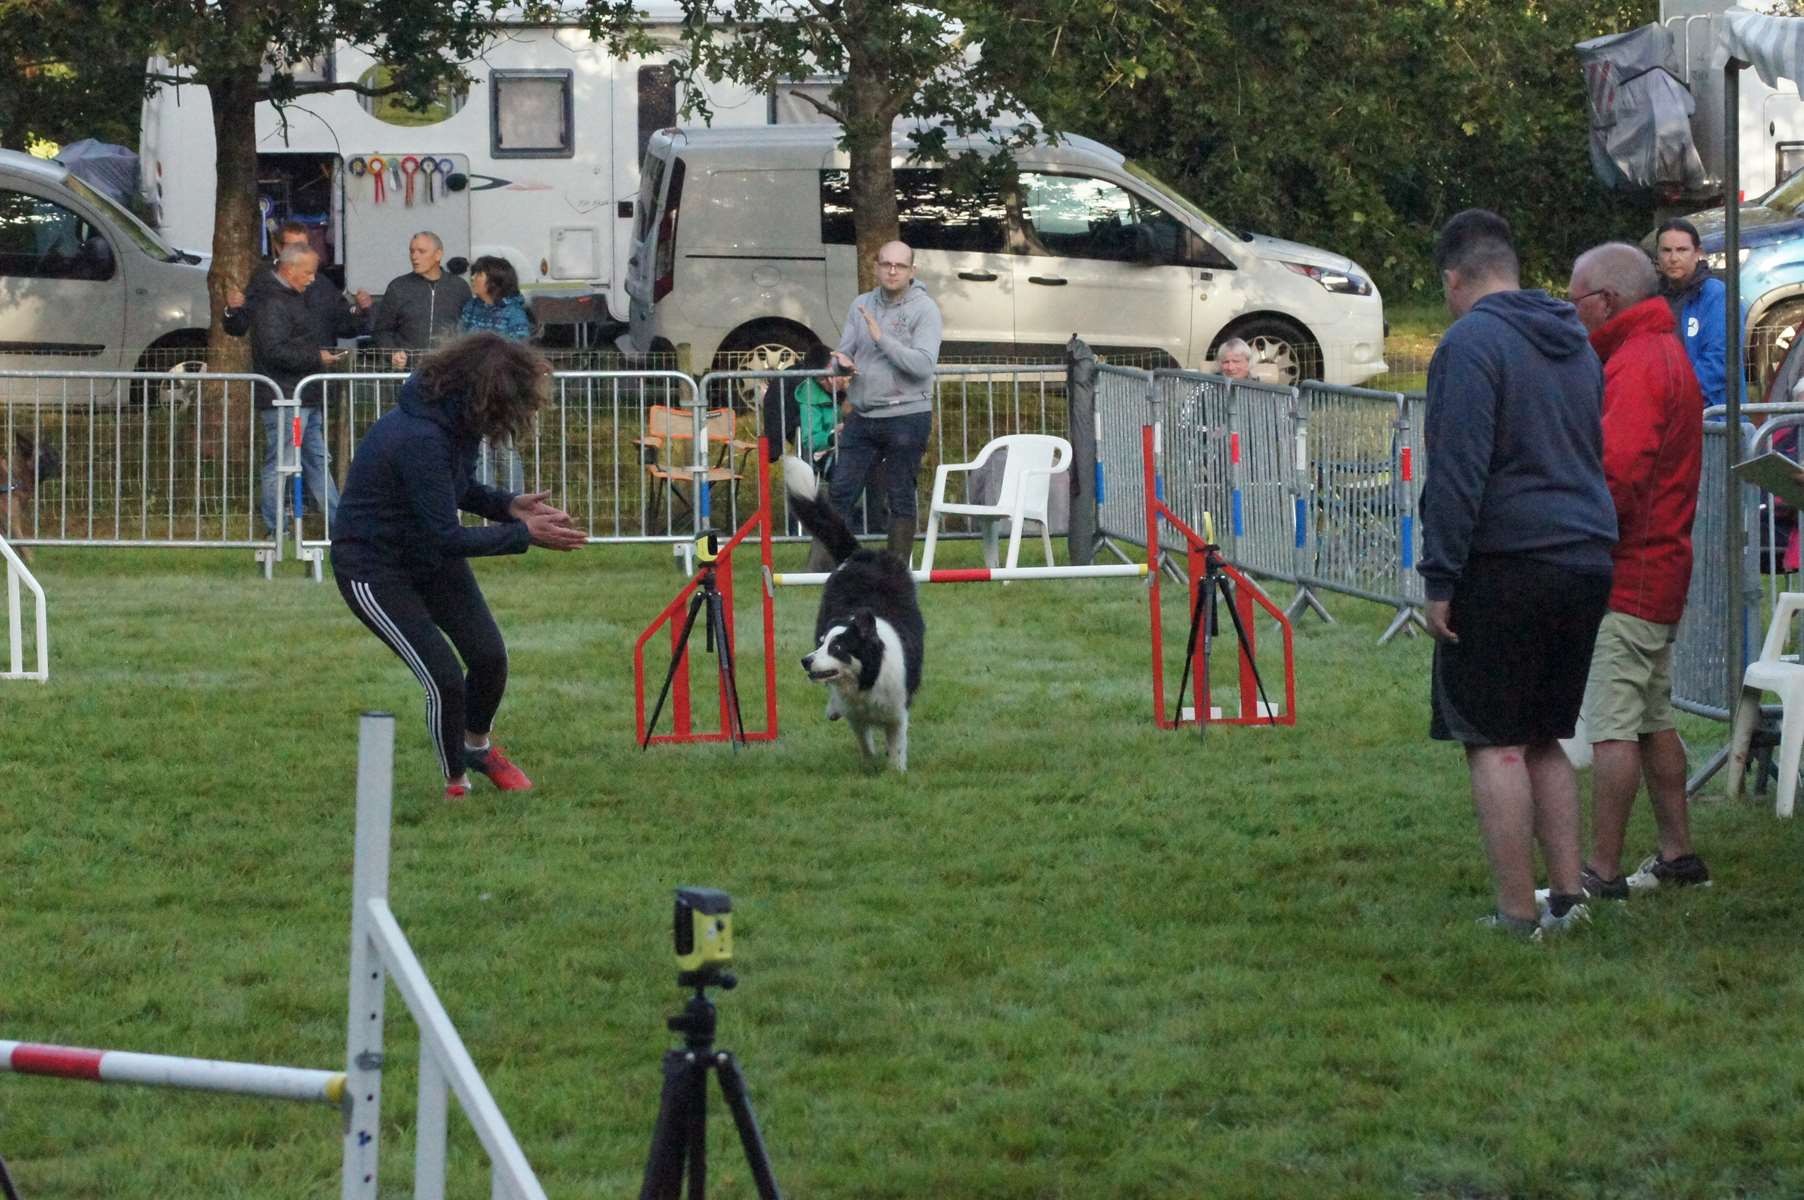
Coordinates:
[805,410]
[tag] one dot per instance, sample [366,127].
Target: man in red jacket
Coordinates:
[1653,447]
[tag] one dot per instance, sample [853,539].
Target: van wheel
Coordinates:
[760,348]
[1285,350]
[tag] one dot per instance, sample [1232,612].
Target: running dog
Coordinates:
[869,629]
[25,466]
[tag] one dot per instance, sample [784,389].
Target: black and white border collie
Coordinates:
[869,630]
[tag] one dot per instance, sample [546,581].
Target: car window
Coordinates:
[1077,216]
[932,213]
[40,239]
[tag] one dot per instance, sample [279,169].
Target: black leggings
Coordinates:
[408,619]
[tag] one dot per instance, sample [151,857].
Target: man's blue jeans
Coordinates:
[276,433]
[898,443]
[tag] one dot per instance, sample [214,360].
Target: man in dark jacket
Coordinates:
[288,344]
[1517,527]
[336,318]
[1653,452]
[420,309]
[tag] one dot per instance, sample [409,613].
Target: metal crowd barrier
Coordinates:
[1125,402]
[972,404]
[1361,462]
[131,458]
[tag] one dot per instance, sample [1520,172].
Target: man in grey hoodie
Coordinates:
[891,345]
[1517,529]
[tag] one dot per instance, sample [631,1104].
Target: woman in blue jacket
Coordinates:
[495,302]
[400,552]
[1696,299]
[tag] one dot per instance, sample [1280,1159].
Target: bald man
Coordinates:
[1653,451]
[891,345]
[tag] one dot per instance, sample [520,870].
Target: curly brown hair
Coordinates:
[504,384]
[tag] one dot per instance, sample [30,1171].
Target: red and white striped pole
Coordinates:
[983,574]
[162,1070]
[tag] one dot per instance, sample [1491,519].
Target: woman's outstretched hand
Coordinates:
[548,526]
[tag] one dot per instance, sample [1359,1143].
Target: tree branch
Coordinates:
[820,106]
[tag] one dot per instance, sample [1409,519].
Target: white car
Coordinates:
[84,284]
[743,242]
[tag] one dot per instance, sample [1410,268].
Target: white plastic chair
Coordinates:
[1033,459]
[1772,673]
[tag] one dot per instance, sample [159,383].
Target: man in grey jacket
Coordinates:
[891,345]
[419,310]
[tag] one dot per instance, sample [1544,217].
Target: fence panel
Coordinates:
[1263,508]
[1700,675]
[1361,506]
[126,458]
[1126,400]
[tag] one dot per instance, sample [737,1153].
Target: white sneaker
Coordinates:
[1578,914]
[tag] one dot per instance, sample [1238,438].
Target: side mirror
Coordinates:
[95,258]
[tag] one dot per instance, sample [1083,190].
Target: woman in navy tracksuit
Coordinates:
[400,551]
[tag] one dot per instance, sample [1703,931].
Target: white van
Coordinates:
[744,244]
[85,285]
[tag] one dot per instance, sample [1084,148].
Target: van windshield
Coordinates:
[138,231]
[1178,199]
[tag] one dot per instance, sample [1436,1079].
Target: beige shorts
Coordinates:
[1629,690]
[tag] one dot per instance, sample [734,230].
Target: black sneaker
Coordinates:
[1599,888]
[1688,870]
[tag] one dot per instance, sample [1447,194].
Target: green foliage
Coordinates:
[1069,956]
[58,85]
[1355,124]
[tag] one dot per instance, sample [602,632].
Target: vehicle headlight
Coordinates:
[1718,260]
[1344,282]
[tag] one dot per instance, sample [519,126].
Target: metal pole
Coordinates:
[363,1035]
[1733,651]
[1085,478]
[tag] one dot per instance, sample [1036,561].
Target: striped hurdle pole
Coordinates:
[161,1070]
[981,574]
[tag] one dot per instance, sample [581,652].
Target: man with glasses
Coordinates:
[890,345]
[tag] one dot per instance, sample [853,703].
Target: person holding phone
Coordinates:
[288,343]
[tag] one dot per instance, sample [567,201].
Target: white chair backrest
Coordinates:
[1036,452]
[1780,629]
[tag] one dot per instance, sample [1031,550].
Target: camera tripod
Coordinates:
[1203,621]
[707,595]
[681,1135]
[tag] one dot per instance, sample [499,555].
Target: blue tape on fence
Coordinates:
[1159,488]
[297,497]
[1099,489]
[701,502]
[1301,517]
[1409,542]
[1239,526]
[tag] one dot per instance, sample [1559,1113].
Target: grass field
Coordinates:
[1067,956]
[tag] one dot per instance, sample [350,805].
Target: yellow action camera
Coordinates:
[703,930]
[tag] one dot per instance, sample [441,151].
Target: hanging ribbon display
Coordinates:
[379,173]
[394,172]
[429,168]
[410,168]
[265,206]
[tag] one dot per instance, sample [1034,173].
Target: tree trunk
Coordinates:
[229,410]
[234,206]
[869,114]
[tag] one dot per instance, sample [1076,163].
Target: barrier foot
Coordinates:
[269,558]
[1307,600]
[1407,618]
[1109,545]
[1717,761]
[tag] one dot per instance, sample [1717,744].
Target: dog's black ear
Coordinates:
[864,623]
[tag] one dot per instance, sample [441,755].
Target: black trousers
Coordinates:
[414,621]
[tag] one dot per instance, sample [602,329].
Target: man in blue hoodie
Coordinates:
[1517,529]
[891,345]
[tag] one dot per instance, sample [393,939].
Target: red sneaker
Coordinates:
[502,773]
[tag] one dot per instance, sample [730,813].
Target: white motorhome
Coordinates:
[536,161]
[1770,122]
[744,252]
